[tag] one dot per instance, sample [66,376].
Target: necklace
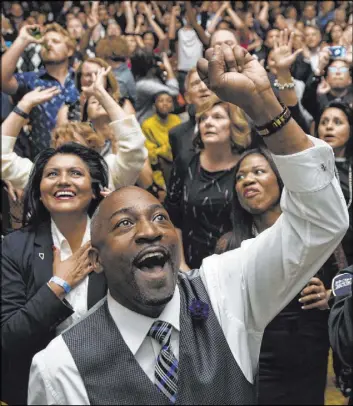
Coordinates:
[350,184]
[254,231]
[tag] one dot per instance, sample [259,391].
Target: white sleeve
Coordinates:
[126,165]
[249,286]
[54,378]
[13,167]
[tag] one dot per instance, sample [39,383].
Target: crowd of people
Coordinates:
[237,118]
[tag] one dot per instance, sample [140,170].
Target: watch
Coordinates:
[67,288]
[20,112]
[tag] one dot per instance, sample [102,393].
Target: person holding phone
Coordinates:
[57,48]
[332,80]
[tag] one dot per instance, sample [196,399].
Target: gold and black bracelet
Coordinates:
[276,124]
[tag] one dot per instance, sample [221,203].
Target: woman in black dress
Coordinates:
[295,345]
[202,182]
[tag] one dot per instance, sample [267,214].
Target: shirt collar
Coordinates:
[43,72]
[59,239]
[134,326]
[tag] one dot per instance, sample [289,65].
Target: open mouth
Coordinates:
[64,195]
[152,260]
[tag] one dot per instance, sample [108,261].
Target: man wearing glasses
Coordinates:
[332,80]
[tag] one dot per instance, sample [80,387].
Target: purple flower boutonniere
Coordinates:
[199,310]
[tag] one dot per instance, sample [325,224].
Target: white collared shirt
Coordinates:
[134,328]
[78,295]
[247,287]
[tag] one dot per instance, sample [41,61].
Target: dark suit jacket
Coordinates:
[181,136]
[30,311]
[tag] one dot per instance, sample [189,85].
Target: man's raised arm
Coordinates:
[10,58]
[259,279]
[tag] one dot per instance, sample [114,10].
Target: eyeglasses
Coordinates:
[335,69]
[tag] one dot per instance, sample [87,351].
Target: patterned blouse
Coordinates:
[199,203]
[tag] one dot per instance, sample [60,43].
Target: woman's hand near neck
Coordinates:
[72,227]
[268,218]
[218,157]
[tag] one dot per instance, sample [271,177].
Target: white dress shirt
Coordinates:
[78,295]
[124,166]
[247,287]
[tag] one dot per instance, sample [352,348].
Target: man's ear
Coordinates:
[93,255]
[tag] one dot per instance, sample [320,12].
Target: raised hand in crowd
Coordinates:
[315,295]
[98,84]
[38,96]
[92,19]
[324,59]
[235,76]
[238,78]
[26,36]
[282,53]
[323,87]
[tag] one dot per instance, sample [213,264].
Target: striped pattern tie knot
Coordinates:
[166,370]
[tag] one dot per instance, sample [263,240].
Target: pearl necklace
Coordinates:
[350,184]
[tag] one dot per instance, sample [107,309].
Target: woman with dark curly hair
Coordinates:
[47,279]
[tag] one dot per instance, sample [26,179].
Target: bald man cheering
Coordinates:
[165,337]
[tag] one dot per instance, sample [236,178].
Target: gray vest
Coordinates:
[208,373]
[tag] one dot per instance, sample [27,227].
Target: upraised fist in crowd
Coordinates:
[234,75]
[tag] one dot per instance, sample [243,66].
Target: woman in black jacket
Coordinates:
[63,191]
[295,344]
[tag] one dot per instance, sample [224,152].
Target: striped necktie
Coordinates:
[166,370]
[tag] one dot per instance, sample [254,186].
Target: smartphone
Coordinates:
[337,52]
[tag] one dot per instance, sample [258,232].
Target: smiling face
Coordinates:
[56,50]
[137,246]
[214,126]
[334,129]
[66,186]
[256,185]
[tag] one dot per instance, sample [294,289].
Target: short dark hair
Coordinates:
[348,111]
[142,64]
[241,219]
[155,97]
[34,212]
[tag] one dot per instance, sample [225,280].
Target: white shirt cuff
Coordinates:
[8,144]
[309,170]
